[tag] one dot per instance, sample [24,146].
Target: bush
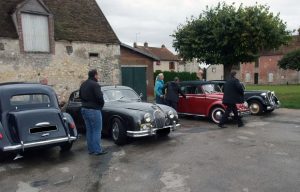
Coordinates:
[170,75]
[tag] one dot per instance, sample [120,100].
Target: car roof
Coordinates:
[9,88]
[109,87]
[195,82]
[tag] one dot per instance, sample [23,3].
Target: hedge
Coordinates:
[170,75]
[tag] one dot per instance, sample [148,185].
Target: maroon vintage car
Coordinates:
[205,99]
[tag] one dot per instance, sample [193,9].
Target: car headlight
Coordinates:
[263,94]
[147,117]
[171,114]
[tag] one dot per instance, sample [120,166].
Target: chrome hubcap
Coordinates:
[115,131]
[254,108]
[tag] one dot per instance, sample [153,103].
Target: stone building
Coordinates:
[57,39]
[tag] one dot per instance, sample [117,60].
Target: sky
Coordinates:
[153,21]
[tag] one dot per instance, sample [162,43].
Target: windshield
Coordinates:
[120,94]
[211,88]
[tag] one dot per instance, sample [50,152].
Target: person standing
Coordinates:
[233,94]
[172,93]
[92,103]
[158,90]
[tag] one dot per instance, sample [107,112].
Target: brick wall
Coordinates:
[65,71]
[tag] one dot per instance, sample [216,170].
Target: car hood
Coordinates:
[139,106]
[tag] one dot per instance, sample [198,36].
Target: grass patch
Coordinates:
[288,95]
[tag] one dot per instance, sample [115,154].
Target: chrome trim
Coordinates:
[191,114]
[38,143]
[151,131]
[42,124]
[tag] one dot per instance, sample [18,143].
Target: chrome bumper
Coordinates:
[150,131]
[23,146]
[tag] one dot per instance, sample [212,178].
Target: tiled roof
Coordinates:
[293,45]
[140,52]
[74,20]
[162,53]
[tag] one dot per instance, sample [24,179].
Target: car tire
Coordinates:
[66,147]
[216,114]
[163,132]
[255,107]
[118,132]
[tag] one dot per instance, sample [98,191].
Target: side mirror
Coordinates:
[141,95]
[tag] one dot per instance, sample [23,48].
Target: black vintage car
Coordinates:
[124,115]
[259,101]
[31,118]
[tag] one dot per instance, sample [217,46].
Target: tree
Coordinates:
[228,35]
[290,61]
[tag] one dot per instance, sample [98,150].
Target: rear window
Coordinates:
[29,99]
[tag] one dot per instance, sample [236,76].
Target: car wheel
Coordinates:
[216,114]
[255,107]
[163,132]
[66,146]
[118,132]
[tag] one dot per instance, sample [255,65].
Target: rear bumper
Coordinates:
[151,131]
[23,146]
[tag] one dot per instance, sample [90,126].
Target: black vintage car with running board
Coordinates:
[30,117]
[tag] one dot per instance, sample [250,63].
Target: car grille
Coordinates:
[270,97]
[159,118]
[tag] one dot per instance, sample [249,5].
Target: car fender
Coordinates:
[69,120]
[4,141]
[214,104]
[257,98]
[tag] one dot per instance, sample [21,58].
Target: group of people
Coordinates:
[93,102]
[168,94]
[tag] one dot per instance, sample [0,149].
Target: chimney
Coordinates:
[145,44]
[135,45]
[163,46]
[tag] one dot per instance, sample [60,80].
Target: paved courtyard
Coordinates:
[262,156]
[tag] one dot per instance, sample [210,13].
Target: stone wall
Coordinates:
[65,70]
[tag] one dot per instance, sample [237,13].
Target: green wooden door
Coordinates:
[135,77]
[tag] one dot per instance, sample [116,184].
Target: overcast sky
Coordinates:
[153,21]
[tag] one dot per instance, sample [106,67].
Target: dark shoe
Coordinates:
[241,125]
[101,153]
[222,126]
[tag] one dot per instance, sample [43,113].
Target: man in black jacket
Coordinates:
[172,93]
[233,94]
[92,103]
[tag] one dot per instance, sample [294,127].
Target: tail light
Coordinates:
[72,125]
[1,136]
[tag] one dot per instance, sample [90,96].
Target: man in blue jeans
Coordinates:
[92,104]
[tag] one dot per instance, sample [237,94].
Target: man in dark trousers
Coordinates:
[92,103]
[173,90]
[233,94]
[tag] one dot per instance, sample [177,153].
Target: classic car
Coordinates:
[205,99]
[259,101]
[124,115]
[31,118]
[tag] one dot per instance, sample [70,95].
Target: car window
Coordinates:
[199,90]
[188,89]
[120,94]
[29,99]
[211,88]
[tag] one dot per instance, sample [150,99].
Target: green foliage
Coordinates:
[228,34]
[291,61]
[170,75]
[288,95]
